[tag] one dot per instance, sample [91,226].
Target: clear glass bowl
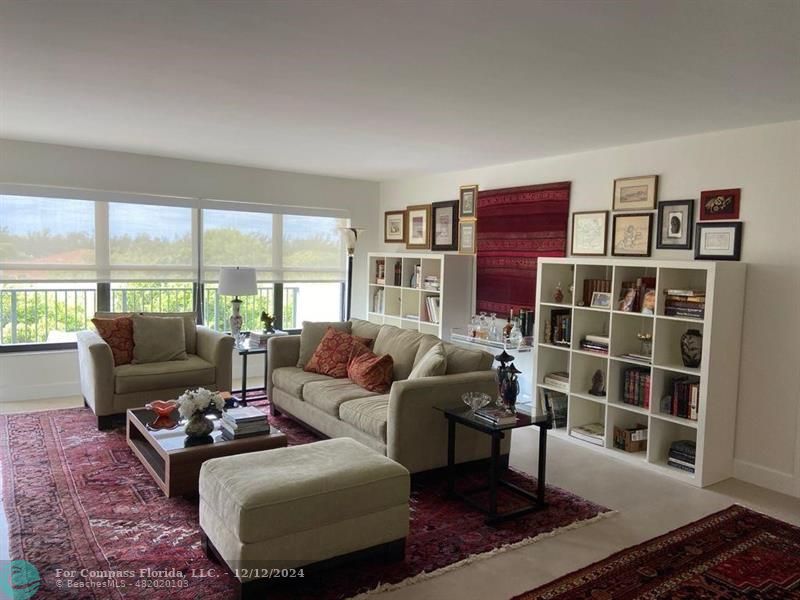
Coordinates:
[476,400]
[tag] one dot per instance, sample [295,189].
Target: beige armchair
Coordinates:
[110,390]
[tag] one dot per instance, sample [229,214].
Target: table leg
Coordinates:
[265,374]
[493,468]
[451,456]
[540,480]
[243,401]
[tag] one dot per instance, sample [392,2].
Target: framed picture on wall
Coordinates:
[468,198]
[589,233]
[631,235]
[635,193]
[467,237]
[445,225]
[419,227]
[720,204]
[719,241]
[675,224]
[394,227]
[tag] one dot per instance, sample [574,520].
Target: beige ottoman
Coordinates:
[267,514]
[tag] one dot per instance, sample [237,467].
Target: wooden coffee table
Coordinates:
[176,466]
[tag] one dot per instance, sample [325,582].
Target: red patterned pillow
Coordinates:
[372,372]
[117,333]
[333,353]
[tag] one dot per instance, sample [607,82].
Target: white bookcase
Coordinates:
[405,305]
[718,373]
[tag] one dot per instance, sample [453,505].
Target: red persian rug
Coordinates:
[735,553]
[78,500]
[516,226]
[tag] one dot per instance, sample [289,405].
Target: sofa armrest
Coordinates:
[416,433]
[217,348]
[282,351]
[96,372]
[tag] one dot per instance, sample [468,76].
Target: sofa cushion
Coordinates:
[190,373]
[330,394]
[189,324]
[158,339]
[335,352]
[367,414]
[370,371]
[465,360]
[312,335]
[401,345]
[118,334]
[292,380]
[432,363]
[365,329]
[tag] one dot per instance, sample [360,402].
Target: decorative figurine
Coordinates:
[692,348]
[558,294]
[503,374]
[598,384]
[267,320]
[510,390]
[647,343]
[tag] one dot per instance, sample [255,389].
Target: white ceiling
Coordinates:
[381,89]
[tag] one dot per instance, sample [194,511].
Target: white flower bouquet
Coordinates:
[200,400]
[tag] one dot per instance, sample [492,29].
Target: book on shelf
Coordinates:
[431,282]
[560,327]
[496,416]
[636,387]
[379,301]
[558,379]
[679,465]
[594,433]
[685,293]
[432,304]
[555,404]
[590,286]
[380,272]
[685,303]
[597,339]
[635,356]
[684,401]
[594,347]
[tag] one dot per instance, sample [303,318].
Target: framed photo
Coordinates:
[635,193]
[675,224]
[394,227]
[445,225]
[419,227]
[467,237]
[468,197]
[720,204]
[589,233]
[631,235]
[627,299]
[601,300]
[719,241]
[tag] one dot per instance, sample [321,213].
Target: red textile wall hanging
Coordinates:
[515,227]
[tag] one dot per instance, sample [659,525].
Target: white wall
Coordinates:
[55,374]
[765,163]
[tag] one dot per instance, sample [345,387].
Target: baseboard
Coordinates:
[765,477]
[39,391]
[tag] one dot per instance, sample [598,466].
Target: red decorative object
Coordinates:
[117,333]
[733,554]
[333,353]
[77,498]
[717,205]
[517,226]
[163,408]
[370,371]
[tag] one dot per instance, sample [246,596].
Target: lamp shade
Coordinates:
[237,281]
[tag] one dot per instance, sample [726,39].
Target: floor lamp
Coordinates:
[351,238]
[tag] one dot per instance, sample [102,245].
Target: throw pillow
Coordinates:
[333,353]
[371,372]
[312,335]
[118,334]
[158,339]
[433,363]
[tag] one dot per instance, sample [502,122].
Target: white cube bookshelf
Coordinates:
[718,374]
[405,305]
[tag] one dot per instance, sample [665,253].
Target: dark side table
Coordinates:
[466,418]
[245,349]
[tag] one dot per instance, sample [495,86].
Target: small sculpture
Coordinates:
[267,320]
[510,389]
[598,384]
[558,294]
[505,374]
[692,348]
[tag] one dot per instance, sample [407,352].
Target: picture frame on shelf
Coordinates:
[468,202]
[394,227]
[631,234]
[589,233]
[719,241]
[445,225]
[635,193]
[418,218]
[718,205]
[468,237]
[675,225]
[601,300]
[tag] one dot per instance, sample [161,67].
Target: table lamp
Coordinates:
[350,235]
[237,281]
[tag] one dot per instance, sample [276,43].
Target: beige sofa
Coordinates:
[403,424]
[110,390]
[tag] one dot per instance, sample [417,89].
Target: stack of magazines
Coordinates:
[243,422]
[496,416]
